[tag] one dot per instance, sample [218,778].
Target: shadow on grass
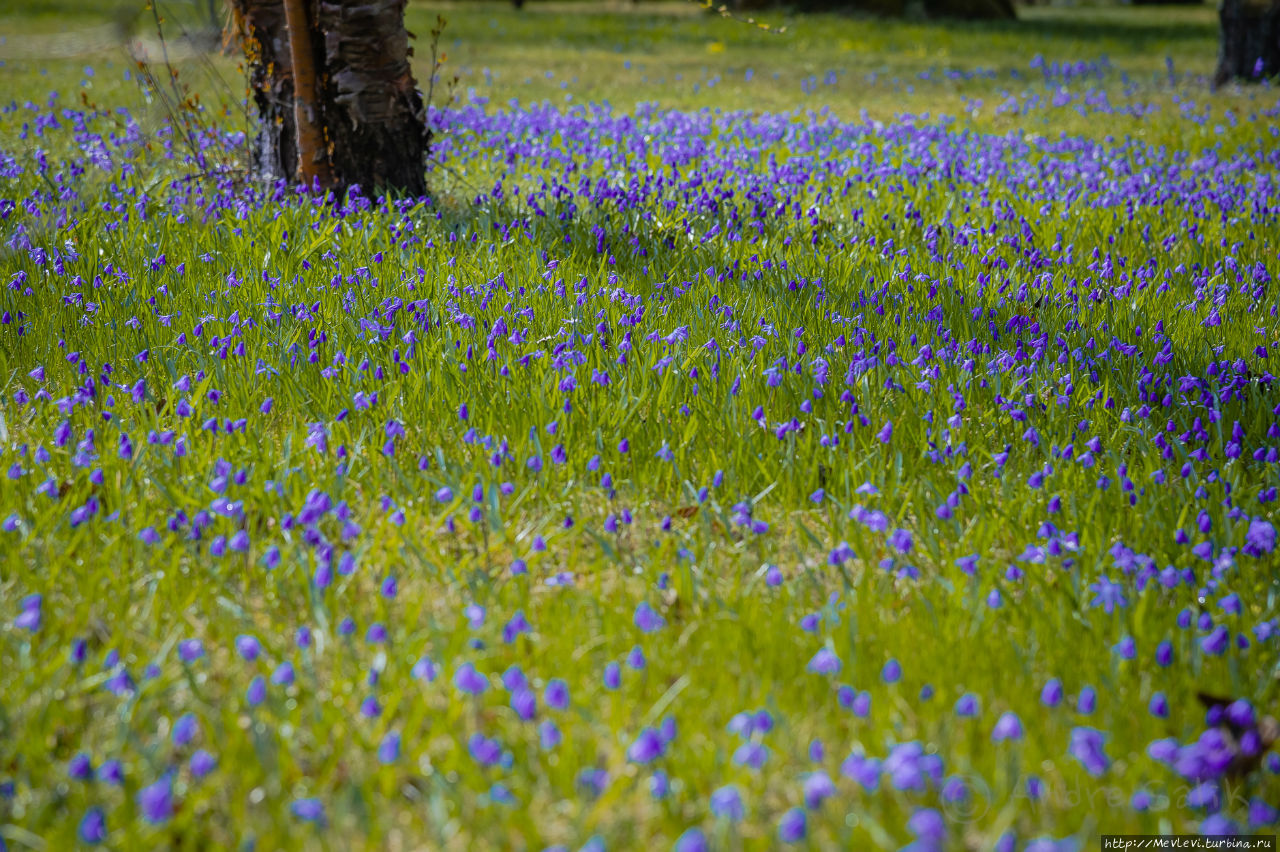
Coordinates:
[1145,30]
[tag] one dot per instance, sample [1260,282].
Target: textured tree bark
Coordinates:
[376,121]
[367,108]
[265,42]
[1249,46]
[313,150]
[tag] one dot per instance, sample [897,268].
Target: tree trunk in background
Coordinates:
[266,48]
[374,114]
[1249,46]
[366,104]
[313,149]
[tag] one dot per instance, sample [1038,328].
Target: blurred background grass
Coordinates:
[677,55]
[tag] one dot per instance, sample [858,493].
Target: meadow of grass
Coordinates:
[858,436]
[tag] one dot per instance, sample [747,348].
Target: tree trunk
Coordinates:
[366,108]
[1249,48]
[374,113]
[313,151]
[266,48]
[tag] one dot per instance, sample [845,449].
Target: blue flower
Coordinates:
[524,703]
[29,615]
[469,681]
[900,540]
[556,694]
[1261,814]
[659,785]
[111,773]
[1218,825]
[184,729]
[249,647]
[257,691]
[156,800]
[862,769]
[726,803]
[693,840]
[389,748]
[283,675]
[892,672]
[1051,694]
[80,767]
[1216,643]
[751,754]
[817,788]
[647,619]
[928,827]
[825,662]
[647,747]
[793,826]
[593,782]
[425,669]
[308,810]
[1108,595]
[1260,538]
[1009,727]
[93,826]
[1087,747]
[190,650]
[483,750]
[202,763]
